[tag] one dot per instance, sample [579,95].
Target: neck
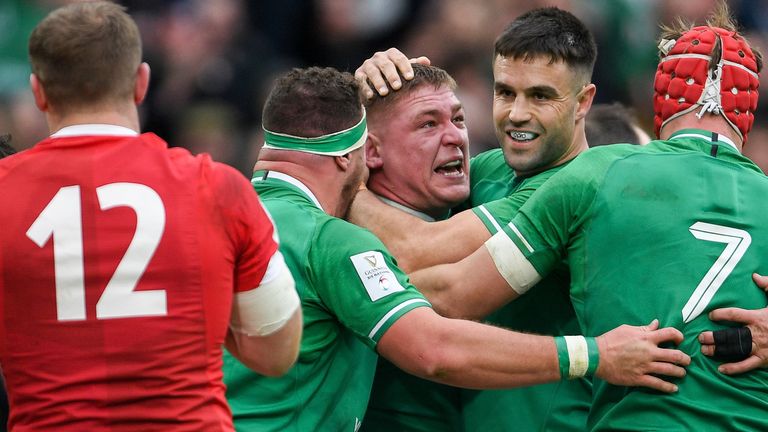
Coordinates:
[126,117]
[712,123]
[399,204]
[319,175]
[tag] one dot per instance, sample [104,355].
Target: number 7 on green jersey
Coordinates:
[736,243]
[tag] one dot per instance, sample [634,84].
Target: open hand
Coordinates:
[756,320]
[631,356]
[380,72]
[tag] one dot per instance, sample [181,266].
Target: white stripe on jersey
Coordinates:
[393,311]
[490,217]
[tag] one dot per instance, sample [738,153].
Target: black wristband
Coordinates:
[732,344]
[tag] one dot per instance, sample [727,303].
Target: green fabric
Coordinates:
[594,355]
[563,358]
[328,388]
[562,406]
[623,216]
[403,402]
[490,178]
[334,144]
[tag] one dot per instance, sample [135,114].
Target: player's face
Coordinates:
[424,149]
[535,110]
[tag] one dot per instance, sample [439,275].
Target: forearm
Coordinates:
[468,354]
[481,356]
[415,243]
[468,289]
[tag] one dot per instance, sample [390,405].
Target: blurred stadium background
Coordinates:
[213,61]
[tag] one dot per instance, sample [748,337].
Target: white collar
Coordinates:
[93,129]
[292,180]
[706,135]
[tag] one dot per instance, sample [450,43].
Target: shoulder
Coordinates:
[594,162]
[348,237]
[489,159]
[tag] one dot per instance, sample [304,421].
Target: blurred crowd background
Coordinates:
[213,61]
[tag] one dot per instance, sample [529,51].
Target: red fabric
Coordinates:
[674,91]
[137,373]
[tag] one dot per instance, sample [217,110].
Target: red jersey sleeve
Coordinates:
[249,226]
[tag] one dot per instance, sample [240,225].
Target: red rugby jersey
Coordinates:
[118,261]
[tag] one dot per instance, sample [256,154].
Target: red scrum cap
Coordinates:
[709,69]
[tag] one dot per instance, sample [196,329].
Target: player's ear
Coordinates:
[142,83]
[41,100]
[373,157]
[585,98]
[343,162]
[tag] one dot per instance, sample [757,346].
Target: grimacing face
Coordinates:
[424,151]
[535,111]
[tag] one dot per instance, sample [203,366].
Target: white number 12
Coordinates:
[61,219]
[736,243]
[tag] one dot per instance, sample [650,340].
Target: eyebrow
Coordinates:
[544,89]
[434,112]
[547,90]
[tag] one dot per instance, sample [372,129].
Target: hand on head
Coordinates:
[380,72]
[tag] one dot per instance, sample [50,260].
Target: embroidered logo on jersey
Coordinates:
[377,278]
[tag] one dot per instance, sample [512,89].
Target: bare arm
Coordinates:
[756,321]
[469,354]
[266,322]
[270,355]
[416,243]
[380,71]
[471,288]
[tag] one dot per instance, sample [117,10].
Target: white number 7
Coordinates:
[61,219]
[736,243]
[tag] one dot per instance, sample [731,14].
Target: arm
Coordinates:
[416,243]
[266,322]
[381,71]
[455,295]
[755,320]
[469,354]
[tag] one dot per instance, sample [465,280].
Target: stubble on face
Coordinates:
[356,176]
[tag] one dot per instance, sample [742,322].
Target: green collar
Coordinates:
[260,176]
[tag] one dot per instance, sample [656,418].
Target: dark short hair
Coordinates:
[549,32]
[312,102]
[86,53]
[610,124]
[422,76]
[5,146]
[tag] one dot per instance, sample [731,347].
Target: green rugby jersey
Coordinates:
[496,195]
[671,231]
[404,402]
[351,293]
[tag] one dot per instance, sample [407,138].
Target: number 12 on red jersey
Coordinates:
[61,219]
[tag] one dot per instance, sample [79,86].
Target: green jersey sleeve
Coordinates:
[499,212]
[545,225]
[358,279]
